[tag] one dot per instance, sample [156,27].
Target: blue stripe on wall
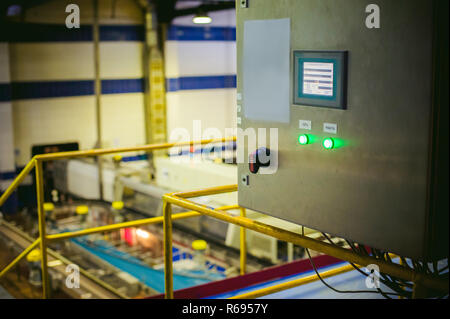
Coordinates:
[122,86]
[49,89]
[5,92]
[122,33]
[7,175]
[185,33]
[201,83]
[32,32]
[36,90]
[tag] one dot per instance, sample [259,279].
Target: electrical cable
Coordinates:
[396,284]
[342,291]
[397,281]
[435,268]
[417,266]
[345,291]
[405,262]
[388,280]
[442,269]
[391,285]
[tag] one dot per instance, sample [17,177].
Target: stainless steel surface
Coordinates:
[374,189]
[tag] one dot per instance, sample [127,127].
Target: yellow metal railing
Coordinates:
[181,199]
[293,283]
[44,239]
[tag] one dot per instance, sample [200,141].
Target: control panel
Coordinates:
[344,122]
[320,78]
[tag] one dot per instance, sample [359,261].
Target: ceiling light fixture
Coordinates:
[202,19]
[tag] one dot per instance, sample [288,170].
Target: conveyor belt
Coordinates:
[88,287]
[153,278]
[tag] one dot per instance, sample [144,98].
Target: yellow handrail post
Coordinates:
[43,240]
[17,181]
[42,230]
[402,272]
[168,267]
[243,246]
[146,148]
[110,228]
[19,258]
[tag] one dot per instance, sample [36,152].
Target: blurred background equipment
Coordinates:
[361,162]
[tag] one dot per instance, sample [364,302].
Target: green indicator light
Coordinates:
[303,139]
[328,143]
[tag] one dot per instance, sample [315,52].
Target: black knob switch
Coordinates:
[259,158]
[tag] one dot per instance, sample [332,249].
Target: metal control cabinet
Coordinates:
[385,182]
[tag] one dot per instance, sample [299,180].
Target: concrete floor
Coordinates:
[4,294]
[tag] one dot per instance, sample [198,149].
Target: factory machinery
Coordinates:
[129,262]
[355,123]
[120,262]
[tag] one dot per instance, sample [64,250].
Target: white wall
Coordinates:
[6,128]
[214,107]
[72,118]
[64,119]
